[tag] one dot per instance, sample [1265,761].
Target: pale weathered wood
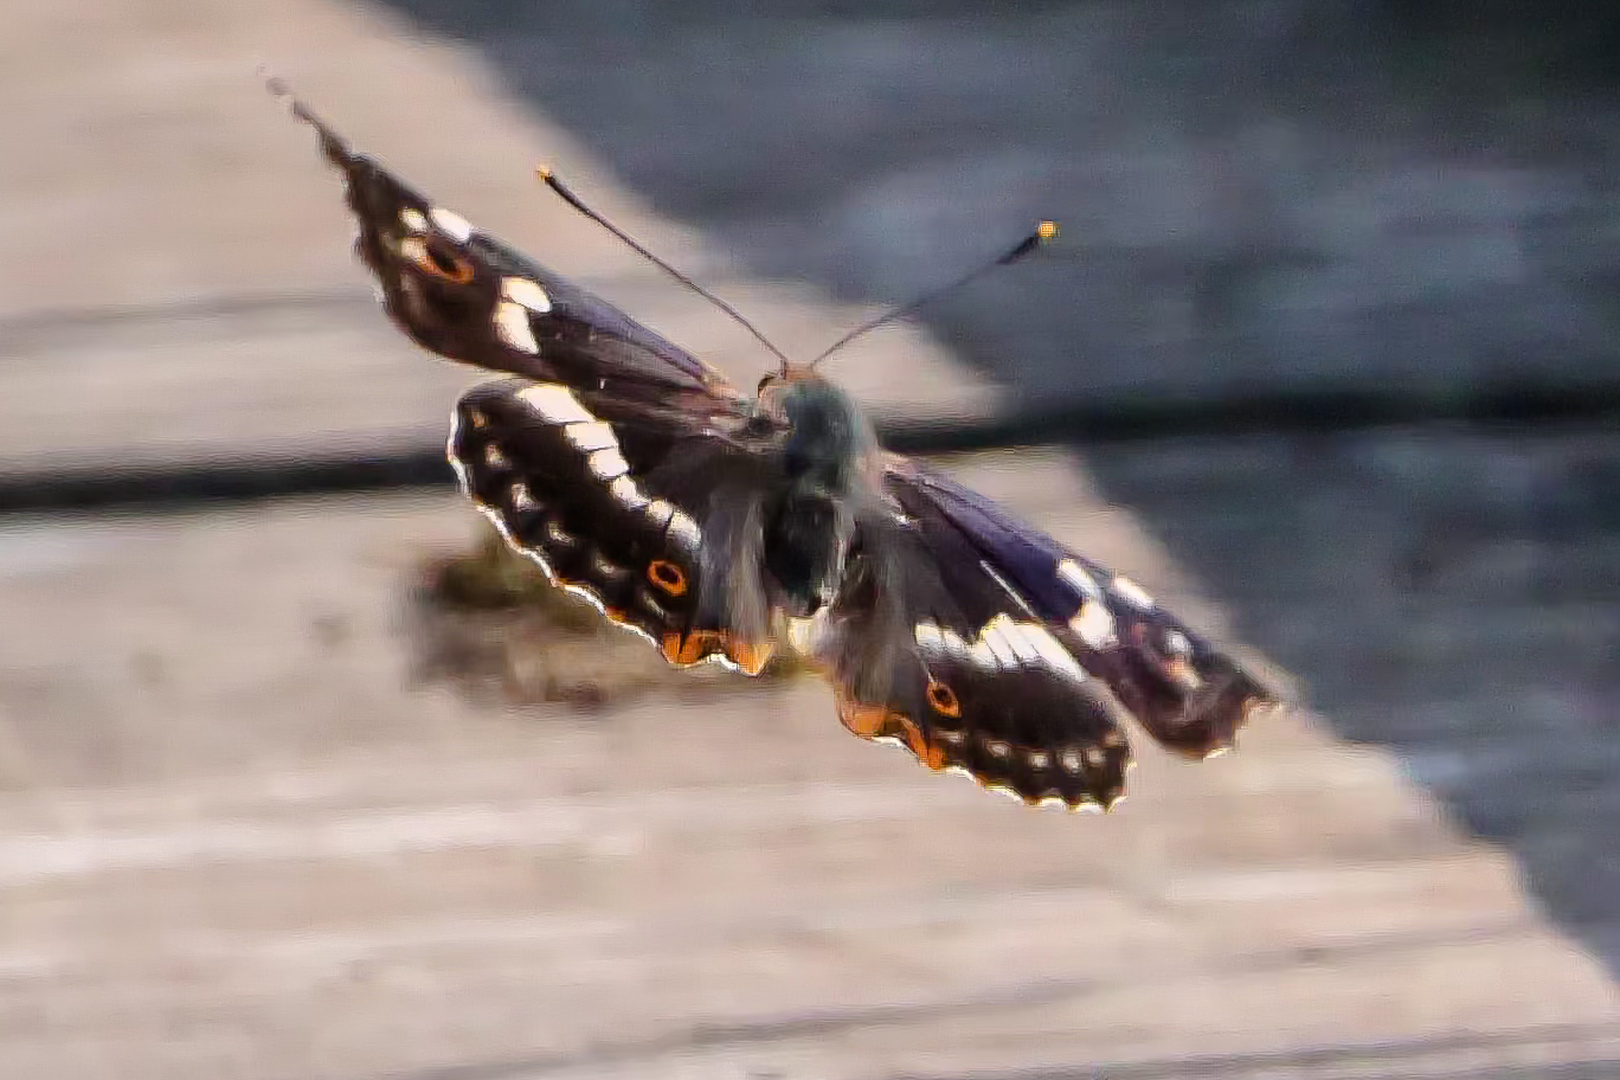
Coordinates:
[236,841]
[230,835]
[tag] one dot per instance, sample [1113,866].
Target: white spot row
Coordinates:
[1128,590]
[512,326]
[607,464]
[1094,625]
[451,224]
[520,298]
[555,403]
[1003,644]
[526,292]
[604,457]
[1071,572]
[1072,759]
[1120,585]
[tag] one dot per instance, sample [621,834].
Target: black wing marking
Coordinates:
[928,649]
[468,296]
[625,504]
[1187,693]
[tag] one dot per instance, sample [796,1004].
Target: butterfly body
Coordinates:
[723,527]
[808,525]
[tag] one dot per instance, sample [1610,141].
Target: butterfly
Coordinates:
[725,526]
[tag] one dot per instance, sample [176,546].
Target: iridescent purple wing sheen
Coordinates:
[1190,696]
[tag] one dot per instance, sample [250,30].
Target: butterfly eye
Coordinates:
[943,699]
[433,257]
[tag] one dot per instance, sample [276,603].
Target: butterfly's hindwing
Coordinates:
[1189,695]
[931,651]
[611,499]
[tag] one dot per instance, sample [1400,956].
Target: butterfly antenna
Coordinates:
[736,316]
[1045,231]
[332,145]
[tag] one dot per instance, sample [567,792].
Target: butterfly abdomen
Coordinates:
[806,537]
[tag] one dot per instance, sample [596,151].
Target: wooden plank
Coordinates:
[228,815]
[238,839]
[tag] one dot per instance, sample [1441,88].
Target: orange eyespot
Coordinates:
[667,576]
[943,699]
[435,259]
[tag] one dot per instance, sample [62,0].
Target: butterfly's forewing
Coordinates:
[1187,693]
[468,296]
[622,503]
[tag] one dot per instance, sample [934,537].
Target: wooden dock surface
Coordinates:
[237,839]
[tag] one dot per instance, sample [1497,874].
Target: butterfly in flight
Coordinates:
[723,526]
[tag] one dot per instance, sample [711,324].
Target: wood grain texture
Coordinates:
[237,841]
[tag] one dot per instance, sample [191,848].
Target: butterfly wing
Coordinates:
[622,464]
[1189,695]
[468,296]
[928,648]
[641,509]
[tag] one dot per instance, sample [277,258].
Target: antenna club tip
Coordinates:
[1046,230]
[543,171]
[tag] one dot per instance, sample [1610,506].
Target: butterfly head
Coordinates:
[829,437]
